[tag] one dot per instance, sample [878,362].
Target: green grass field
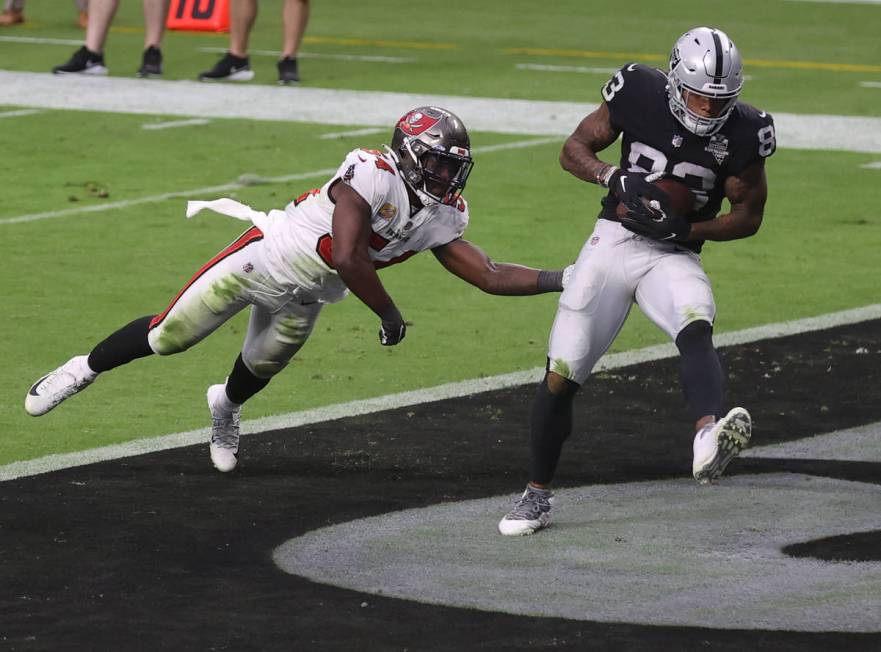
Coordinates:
[70,281]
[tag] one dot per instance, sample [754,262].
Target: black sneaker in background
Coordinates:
[151,64]
[229,68]
[287,71]
[83,62]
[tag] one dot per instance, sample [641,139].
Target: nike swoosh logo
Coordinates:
[623,187]
[33,390]
[631,67]
[234,70]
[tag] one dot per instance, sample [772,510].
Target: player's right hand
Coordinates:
[392,332]
[631,187]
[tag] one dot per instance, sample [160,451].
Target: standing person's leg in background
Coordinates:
[89,59]
[235,64]
[83,16]
[155,12]
[295,16]
[13,13]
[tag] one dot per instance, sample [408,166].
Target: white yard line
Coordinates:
[870,84]
[243,181]
[193,122]
[874,165]
[370,108]
[404,399]
[207,191]
[352,132]
[40,41]
[19,113]
[541,67]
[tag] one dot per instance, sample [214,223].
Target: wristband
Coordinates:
[550,280]
[604,176]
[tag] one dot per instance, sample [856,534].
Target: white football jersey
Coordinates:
[299,240]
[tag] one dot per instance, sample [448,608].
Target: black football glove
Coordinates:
[392,332]
[656,221]
[631,187]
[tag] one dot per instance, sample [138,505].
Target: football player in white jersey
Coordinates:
[687,124]
[379,209]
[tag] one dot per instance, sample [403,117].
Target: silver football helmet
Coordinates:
[433,151]
[704,62]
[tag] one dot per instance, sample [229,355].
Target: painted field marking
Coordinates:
[39,41]
[661,552]
[244,181]
[125,203]
[874,165]
[375,108]
[416,397]
[644,56]
[539,67]
[367,131]
[370,58]
[381,43]
[19,113]
[870,84]
[153,126]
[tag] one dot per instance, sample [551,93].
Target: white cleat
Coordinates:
[53,388]
[717,444]
[224,430]
[531,513]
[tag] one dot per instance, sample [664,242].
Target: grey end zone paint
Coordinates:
[661,553]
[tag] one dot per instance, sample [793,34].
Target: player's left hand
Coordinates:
[392,332]
[657,221]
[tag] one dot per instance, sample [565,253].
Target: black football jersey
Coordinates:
[654,140]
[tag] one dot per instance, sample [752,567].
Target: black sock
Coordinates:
[242,384]
[127,344]
[700,370]
[551,426]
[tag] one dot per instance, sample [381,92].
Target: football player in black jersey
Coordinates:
[689,125]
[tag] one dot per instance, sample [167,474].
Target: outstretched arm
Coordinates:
[351,238]
[468,261]
[747,193]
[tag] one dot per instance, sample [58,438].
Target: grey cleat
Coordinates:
[531,513]
[717,444]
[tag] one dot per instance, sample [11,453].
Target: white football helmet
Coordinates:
[705,62]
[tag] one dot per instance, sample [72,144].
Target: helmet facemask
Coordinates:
[704,62]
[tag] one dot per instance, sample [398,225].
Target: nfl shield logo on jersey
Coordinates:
[677,141]
[718,147]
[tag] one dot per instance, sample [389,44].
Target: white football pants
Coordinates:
[282,316]
[615,269]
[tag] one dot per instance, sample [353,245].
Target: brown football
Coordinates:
[681,198]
